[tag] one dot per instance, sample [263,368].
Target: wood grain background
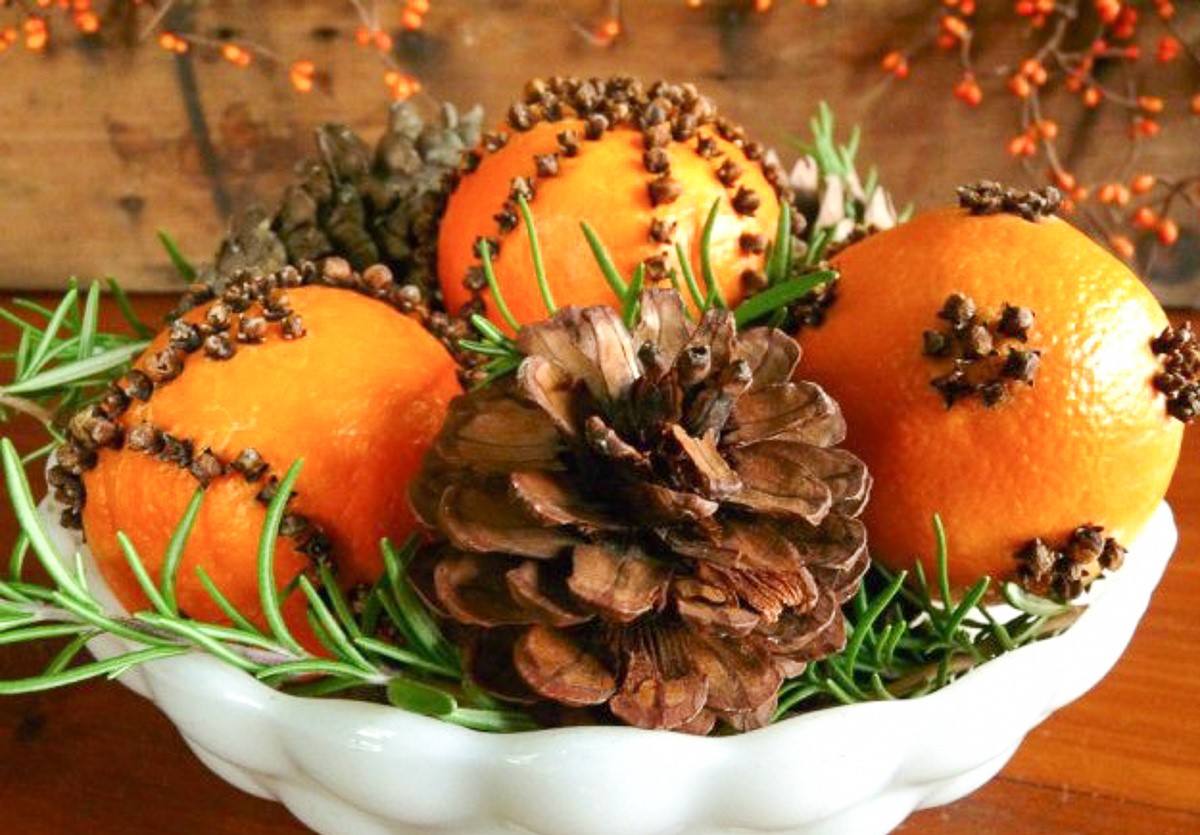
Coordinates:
[100,147]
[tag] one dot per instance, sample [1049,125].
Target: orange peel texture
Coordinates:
[359,398]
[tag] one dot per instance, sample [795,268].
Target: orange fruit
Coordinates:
[359,397]
[641,189]
[1090,442]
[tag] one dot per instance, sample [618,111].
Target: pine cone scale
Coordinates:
[552,499]
[651,698]
[560,669]
[622,585]
[540,592]
[473,593]
[777,486]
[481,520]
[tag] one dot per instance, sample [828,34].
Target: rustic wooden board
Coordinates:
[98,148]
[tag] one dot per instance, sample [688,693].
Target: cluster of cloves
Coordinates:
[973,345]
[1179,380]
[89,430]
[990,198]
[242,313]
[1063,573]
[376,281]
[663,112]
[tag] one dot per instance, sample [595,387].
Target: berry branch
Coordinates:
[39,25]
[1078,46]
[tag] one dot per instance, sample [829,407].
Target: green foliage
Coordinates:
[906,639]
[63,360]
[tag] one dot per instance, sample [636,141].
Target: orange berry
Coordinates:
[1065,180]
[1126,25]
[301,74]
[608,30]
[1168,48]
[1145,218]
[955,26]
[891,61]
[1151,104]
[1032,69]
[1091,417]
[37,34]
[1092,96]
[1109,10]
[1020,86]
[1142,183]
[402,85]
[1195,103]
[87,22]
[1122,246]
[1145,127]
[1047,128]
[968,91]
[1168,231]
[236,55]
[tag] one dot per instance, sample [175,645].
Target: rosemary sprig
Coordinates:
[63,360]
[907,638]
[178,260]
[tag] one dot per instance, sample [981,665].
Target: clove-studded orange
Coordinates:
[226,399]
[642,166]
[997,370]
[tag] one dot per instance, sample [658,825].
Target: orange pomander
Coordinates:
[998,371]
[228,401]
[642,167]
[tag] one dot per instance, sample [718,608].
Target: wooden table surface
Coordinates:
[1123,760]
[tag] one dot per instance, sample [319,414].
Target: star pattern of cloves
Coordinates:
[987,358]
[1064,572]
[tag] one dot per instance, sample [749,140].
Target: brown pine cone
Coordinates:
[367,205]
[655,522]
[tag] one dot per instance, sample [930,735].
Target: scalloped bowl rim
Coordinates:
[358,768]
